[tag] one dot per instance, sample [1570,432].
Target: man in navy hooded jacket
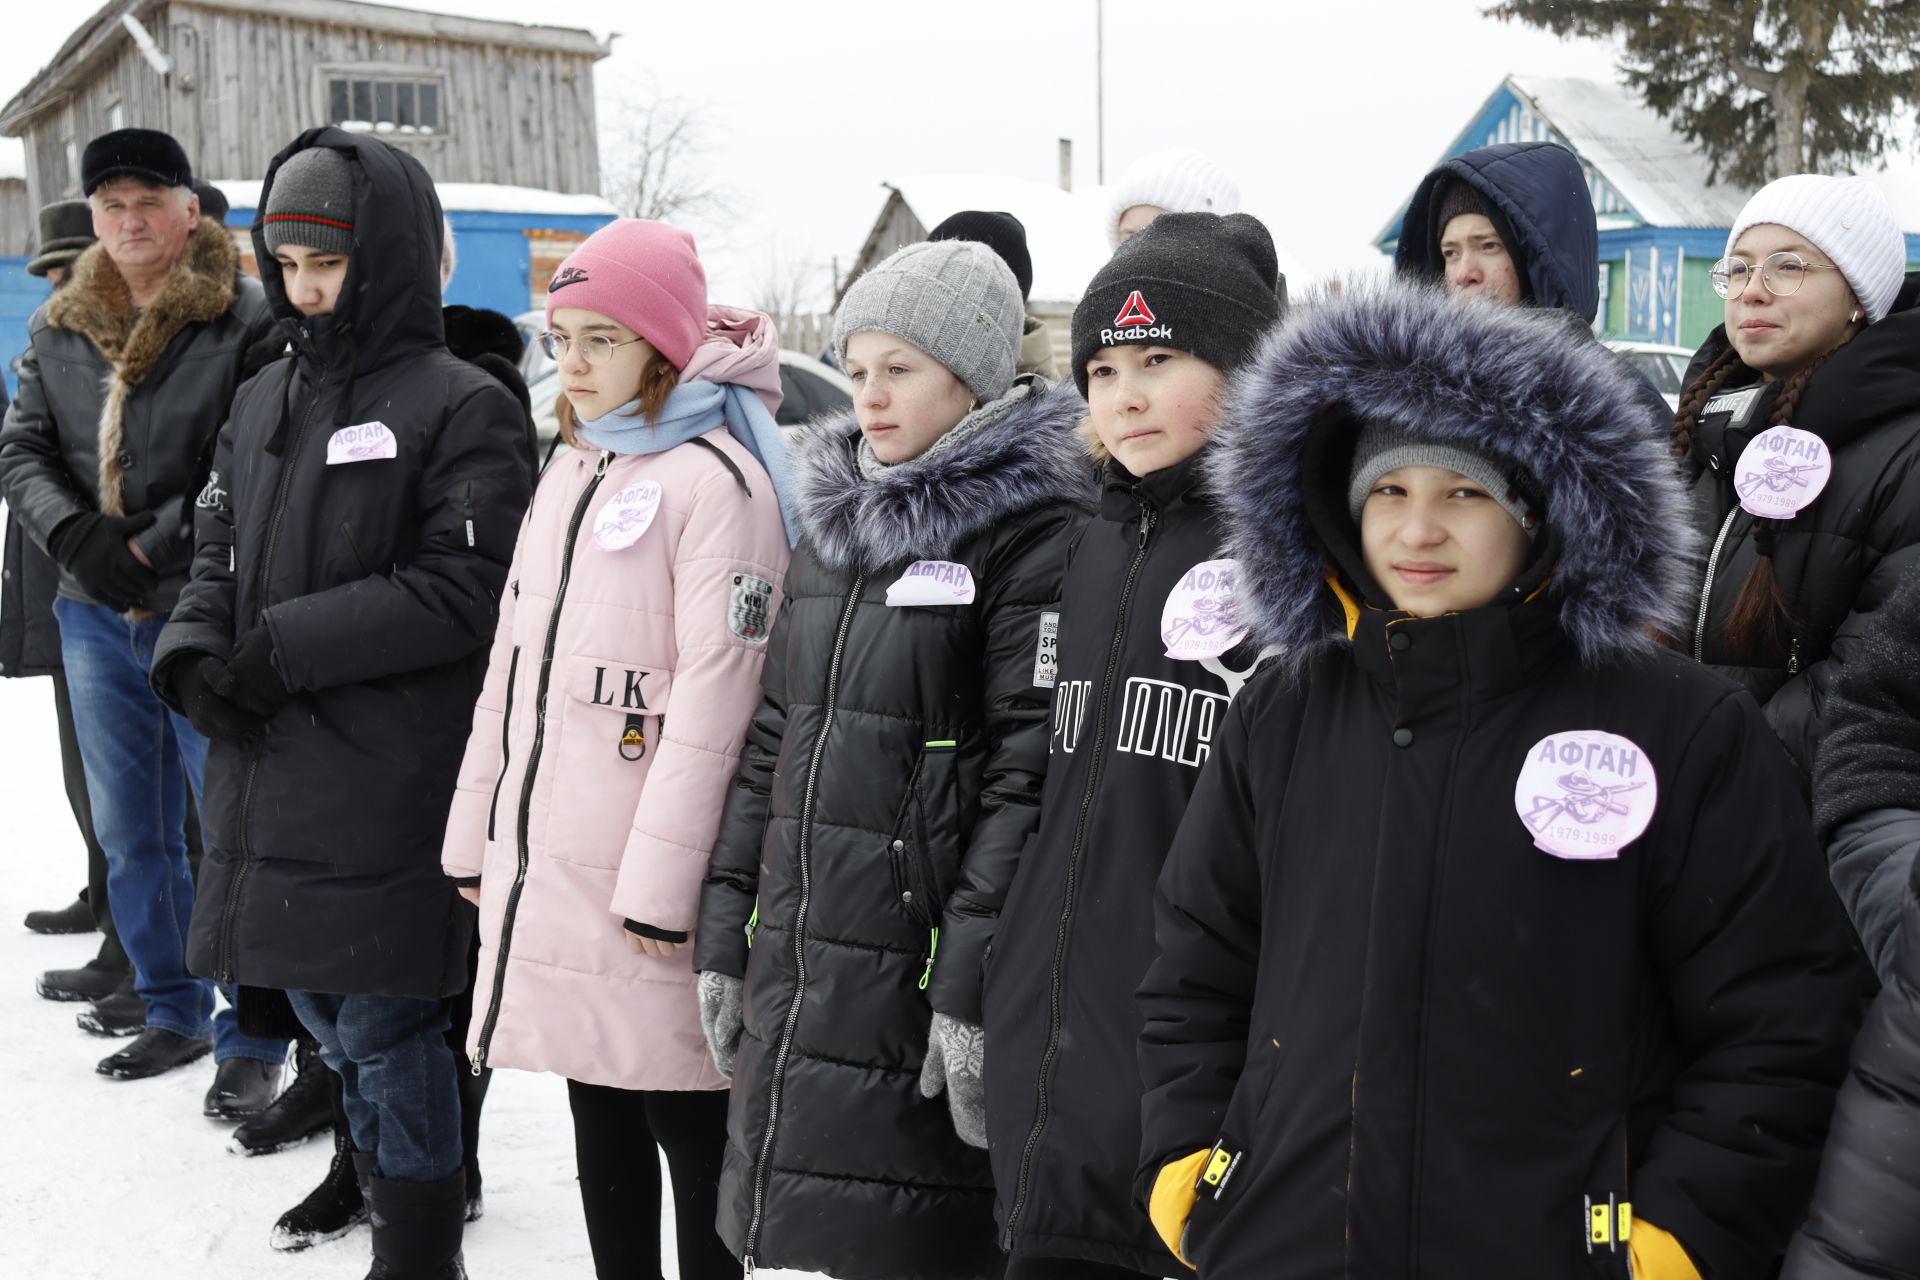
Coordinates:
[1514,223]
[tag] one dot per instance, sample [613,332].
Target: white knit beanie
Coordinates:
[1847,219]
[1178,181]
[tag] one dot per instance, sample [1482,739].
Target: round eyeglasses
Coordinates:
[595,348]
[1783,273]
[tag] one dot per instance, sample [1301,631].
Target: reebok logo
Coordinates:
[1136,311]
[1135,323]
[566,276]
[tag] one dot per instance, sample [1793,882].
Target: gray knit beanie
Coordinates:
[1386,446]
[311,202]
[954,299]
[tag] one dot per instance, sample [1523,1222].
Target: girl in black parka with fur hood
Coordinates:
[1495,940]
[888,783]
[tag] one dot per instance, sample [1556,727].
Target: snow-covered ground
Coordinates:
[104,1178]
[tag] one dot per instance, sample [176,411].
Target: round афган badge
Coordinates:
[1586,794]
[627,515]
[1781,472]
[1197,621]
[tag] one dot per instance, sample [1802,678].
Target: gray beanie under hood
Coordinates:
[311,202]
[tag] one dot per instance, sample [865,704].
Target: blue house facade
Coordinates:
[505,254]
[1662,224]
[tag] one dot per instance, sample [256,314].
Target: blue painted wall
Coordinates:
[494,256]
[20,296]
[494,269]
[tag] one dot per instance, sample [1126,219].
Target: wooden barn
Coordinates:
[501,113]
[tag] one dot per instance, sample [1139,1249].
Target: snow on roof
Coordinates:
[1656,170]
[1066,230]
[1644,158]
[462,197]
[1064,233]
[13,159]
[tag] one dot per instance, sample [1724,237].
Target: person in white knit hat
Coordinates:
[1801,429]
[1176,181]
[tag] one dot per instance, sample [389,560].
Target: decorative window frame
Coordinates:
[326,73]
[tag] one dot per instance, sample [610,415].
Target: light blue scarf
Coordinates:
[692,410]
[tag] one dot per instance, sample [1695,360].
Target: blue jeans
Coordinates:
[140,759]
[398,1079]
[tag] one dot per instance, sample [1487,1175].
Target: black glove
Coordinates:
[191,682]
[250,681]
[93,548]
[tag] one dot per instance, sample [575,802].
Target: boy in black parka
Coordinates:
[1146,662]
[1495,940]
[351,547]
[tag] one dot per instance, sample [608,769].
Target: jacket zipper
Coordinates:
[506,741]
[533,766]
[237,890]
[785,1047]
[1148,518]
[1706,588]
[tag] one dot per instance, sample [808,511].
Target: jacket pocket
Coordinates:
[923,853]
[506,743]
[1238,1151]
[601,745]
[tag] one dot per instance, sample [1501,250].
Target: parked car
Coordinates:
[808,386]
[1665,367]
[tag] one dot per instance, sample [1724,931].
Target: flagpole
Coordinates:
[1100,88]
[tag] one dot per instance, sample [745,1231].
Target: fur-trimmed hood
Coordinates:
[1618,548]
[97,305]
[925,508]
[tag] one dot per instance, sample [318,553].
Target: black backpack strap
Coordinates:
[738,475]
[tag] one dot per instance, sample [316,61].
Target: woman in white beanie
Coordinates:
[1177,181]
[1800,429]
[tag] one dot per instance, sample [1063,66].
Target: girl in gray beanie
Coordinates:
[888,785]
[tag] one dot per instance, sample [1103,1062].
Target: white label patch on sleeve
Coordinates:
[749,604]
[1046,656]
[363,443]
[932,582]
[626,515]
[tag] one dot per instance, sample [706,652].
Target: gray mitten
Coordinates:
[955,1050]
[720,1017]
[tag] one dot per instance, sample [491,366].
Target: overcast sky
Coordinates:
[1326,111]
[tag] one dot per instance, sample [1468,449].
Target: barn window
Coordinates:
[385,104]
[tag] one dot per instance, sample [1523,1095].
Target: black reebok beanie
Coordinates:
[1197,282]
[1003,233]
[1457,197]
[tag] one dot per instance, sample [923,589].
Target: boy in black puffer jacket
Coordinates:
[1495,940]
[1147,661]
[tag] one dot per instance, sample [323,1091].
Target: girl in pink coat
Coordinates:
[623,675]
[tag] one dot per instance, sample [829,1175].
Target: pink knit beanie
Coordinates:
[646,275]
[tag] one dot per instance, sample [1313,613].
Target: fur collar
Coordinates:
[1504,379]
[924,509]
[96,304]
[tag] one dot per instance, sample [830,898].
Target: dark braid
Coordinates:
[1705,387]
[1762,615]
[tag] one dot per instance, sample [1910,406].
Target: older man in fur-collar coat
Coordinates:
[128,378]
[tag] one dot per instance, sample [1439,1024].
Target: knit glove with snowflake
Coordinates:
[954,1053]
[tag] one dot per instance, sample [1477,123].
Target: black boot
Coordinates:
[473,1095]
[241,1087]
[75,917]
[123,1013]
[417,1227]
[91,981]
[154,1052]
[338,1204]
[301,1110]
